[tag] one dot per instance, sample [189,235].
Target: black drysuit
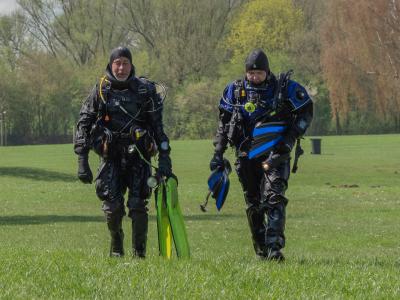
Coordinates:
[111,117]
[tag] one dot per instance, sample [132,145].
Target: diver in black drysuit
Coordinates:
[121,120]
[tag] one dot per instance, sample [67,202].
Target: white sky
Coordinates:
[7,6]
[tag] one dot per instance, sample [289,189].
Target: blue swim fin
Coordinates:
[214,181]
[265,137]
[218,185]
[222,191]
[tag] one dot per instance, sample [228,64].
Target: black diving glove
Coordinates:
[217,162]
[164,165]
[84,173]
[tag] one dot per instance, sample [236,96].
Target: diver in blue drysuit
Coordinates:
[264,178]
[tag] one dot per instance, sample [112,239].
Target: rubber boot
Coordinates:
[256,219]
[139,233]
[274,254]
[275,237]
[117,237]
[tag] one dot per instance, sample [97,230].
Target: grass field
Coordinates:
[343,230]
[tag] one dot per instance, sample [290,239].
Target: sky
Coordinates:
[6,6]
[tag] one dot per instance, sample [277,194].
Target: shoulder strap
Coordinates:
[238,83]
[239,92]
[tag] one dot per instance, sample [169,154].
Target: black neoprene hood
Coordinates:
[257,60]
[120,52]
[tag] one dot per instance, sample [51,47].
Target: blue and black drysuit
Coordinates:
[264,191]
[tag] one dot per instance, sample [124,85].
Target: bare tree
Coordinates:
[361,58]
[182,36]
[13,39]
[77,28]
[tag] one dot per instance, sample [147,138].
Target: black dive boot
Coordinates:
[275,233]
[274,254]
[256,218]
[117,238]
[139,233]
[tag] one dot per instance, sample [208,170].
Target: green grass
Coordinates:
[342,242]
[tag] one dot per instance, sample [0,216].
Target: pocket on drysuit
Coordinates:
[101,139]
[144,141]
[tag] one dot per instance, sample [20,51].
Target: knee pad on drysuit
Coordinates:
[108,183]
[137,205]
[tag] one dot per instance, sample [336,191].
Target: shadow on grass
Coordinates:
[36,174]
[335,261]
[47,219]
[213,216]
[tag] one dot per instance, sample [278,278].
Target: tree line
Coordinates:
[53,51]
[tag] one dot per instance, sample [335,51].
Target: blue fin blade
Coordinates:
[264,148]
[268,129]
[222,193]
[214,178]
